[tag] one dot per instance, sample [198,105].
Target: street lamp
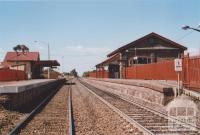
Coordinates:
[48,54]
[62,63]
[185,27]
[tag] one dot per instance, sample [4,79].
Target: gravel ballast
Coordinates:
[93,117]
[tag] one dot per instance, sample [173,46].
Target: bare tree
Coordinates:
[22,48]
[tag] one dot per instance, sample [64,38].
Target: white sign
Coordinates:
[178,65]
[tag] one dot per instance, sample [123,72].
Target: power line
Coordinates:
[185,35]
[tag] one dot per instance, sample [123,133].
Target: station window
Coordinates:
[140,60]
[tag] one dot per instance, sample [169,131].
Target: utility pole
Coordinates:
[48,47]
[48,59]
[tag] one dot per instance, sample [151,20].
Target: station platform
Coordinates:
[158,92]
[18,95]
[151,93]
[20,86]
[163,86]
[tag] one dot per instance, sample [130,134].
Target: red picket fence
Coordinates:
[191,72]
[92,74]
[164,70]
[156,71]
[102,74]
[99,74]
[11,75]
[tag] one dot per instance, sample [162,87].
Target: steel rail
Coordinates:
[144,107]
[120,113]
[30,116]
[161,114]
[70,108]
[155,111]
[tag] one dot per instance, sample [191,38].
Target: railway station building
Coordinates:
[29,62]
[151,48]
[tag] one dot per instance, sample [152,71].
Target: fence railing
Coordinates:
[156,71]
[190,76]
[11,75]
[191,72]
[93,74]
[99,74]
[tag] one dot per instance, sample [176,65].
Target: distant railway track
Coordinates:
[150,122]
[53,115]
[70,108]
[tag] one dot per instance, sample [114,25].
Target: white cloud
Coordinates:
[82,50]
[2,53]
[193,51]
[83,58]
[41,48]
[2,50]
[38,48]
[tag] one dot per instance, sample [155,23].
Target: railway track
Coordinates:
[52,116]
[145,119]
[94,117]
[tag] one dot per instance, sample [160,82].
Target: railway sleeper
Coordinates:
[175,132]
[159,124]
[137,112]
[145,116]
[153,120]
[166,127]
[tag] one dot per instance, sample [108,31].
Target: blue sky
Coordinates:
[82,32]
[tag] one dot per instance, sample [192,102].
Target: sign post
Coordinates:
[178,69]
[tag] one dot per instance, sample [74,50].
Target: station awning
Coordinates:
[108,61]
[47,63]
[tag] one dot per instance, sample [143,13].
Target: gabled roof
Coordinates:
[4,65]
[108,60]
[143,38]
[28,56]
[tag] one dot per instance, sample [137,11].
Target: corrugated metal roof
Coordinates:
[145,37]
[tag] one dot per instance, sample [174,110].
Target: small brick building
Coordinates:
[29,62]
[151,48]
